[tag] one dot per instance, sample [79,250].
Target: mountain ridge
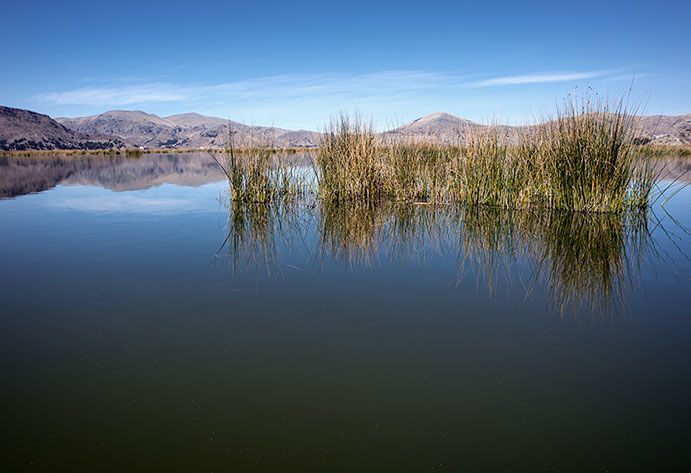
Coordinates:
[136,128]
[185,130]
[26,130]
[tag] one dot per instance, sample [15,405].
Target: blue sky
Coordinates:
[295,64]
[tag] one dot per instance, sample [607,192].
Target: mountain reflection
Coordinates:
[577,262]
[25,175]
[21,175]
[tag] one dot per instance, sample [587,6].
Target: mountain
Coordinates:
[438,124]
[447,128]
[187,130]
[665,129]
[443,128]
[23,130]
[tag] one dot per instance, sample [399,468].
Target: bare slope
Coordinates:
[23,130]
[187,130]
[666,129]
[443,128]
[447,128]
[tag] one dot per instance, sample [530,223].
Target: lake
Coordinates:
[148,324]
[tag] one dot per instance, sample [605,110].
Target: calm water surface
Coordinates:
[147,325]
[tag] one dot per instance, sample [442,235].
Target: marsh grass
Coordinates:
[417,171]
[256,174]
[668,151]
[584,160]
[349,165]
[590,160]
[488,171]
[134,153]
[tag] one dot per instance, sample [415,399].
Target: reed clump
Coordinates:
[257,175]
[486,170]
[586,159]
[589,158]
[349,163]
[417,171]
[134,153]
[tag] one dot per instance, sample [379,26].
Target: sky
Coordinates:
[297,64]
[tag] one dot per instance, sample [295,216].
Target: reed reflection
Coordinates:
[254,232]
[577,262]
[582,262]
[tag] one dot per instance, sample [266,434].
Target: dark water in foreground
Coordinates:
[146,326]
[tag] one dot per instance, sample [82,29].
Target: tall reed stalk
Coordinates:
[590,160]
[258,175]
[585,159]
[349,164]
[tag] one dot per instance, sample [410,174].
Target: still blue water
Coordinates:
[143,328]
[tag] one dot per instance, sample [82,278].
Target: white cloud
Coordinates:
[539,78]
[128,95]
[284,86]
[128,203]
[294,86]
[302,100]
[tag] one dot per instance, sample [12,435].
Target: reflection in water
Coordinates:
[593,259]
[25,175]
[584,262]
[255,233]
[580,260]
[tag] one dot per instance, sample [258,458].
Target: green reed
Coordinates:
[585,159]
[349,163]
[589,158]
[256,174]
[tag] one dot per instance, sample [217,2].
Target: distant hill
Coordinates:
[187,130]
[443,128]
[23,130]
[447,128]
[26,130]
[665,129]
[438,124]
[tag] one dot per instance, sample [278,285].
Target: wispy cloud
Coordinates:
[128,95]
[539,78]
[295,86]
[102,201]
[305,100]
[278,87]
